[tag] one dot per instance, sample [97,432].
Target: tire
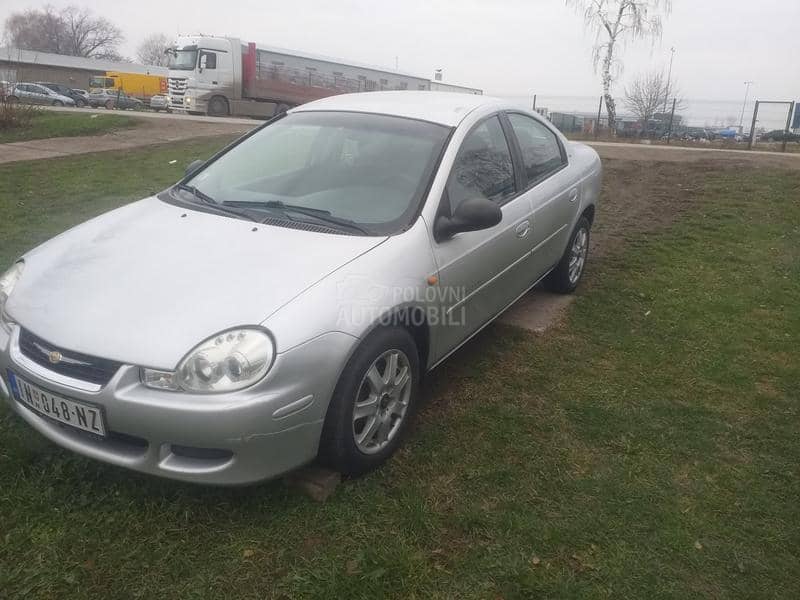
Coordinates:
[109,104]
[356,445]
[80,103]
[58,103]
[218,107]
[12,100]
[562,279]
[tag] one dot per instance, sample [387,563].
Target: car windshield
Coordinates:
[184,60]
[366,169]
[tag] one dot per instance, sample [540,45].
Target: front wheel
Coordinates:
[218,107]
[12,100]
[372,404]
[569,270]
[109,104]
[58,103]
[80,103]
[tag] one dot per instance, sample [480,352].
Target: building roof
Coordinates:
[445,108]
[31,57]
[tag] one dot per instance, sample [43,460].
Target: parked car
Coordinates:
[113,99]
[697,134]
[33,93]
[274,307]
[79,99]
[159,103]
[778,135]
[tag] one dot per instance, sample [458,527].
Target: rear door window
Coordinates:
[541,152]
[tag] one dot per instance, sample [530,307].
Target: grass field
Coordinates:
[49,124]
[647,448]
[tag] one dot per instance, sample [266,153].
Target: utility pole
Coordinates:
[669,78]
[744,105]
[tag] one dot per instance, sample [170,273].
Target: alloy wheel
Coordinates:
[382,401]
[577,258]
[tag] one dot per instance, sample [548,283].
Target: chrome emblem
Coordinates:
[54,357]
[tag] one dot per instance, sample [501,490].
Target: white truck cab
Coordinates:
[205,74]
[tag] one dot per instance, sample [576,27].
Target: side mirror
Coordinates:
[472,214]
[194,166]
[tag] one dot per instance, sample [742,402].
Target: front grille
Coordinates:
[69,363]
[176,91]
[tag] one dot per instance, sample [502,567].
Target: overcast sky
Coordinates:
[506,47]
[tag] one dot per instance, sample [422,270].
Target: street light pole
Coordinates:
[669,78]
[744,105]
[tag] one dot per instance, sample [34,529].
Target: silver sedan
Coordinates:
[281,303]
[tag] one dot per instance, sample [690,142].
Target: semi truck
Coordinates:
[223,76]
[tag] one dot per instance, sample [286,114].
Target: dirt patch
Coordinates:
[146,132]
[672,154]
[640,195]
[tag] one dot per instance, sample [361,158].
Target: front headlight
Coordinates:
[7,282]
[227,362]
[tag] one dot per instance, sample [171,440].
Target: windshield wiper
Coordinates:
[316,213]
[209,201]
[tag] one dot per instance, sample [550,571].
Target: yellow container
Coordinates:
[133,84]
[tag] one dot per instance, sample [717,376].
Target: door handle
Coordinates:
[523,228]
[573,194]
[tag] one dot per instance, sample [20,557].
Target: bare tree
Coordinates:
[649,93]
[74,31]
[615,22]
[151,50]
[41,30]
[645,95]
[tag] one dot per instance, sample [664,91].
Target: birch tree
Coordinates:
[614,23]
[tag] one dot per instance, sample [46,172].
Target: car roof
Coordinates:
[445,108]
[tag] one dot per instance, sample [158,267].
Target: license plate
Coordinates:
[69,412]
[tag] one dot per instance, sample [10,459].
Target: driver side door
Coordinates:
[482,272]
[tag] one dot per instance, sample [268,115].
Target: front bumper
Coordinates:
[221,439]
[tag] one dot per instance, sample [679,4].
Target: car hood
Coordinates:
[145,283]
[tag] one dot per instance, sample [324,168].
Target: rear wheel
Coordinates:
[80,103]
[218,107]
[372,404]
[109,104]
[12,100]
[569,270]
[58,103]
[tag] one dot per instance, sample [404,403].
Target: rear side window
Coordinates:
[483,167]
[541,152]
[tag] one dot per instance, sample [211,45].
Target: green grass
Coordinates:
[646,449]
[49,124]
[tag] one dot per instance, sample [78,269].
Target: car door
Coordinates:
[23,93]
[482,272]
[41,94]
[551,187]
